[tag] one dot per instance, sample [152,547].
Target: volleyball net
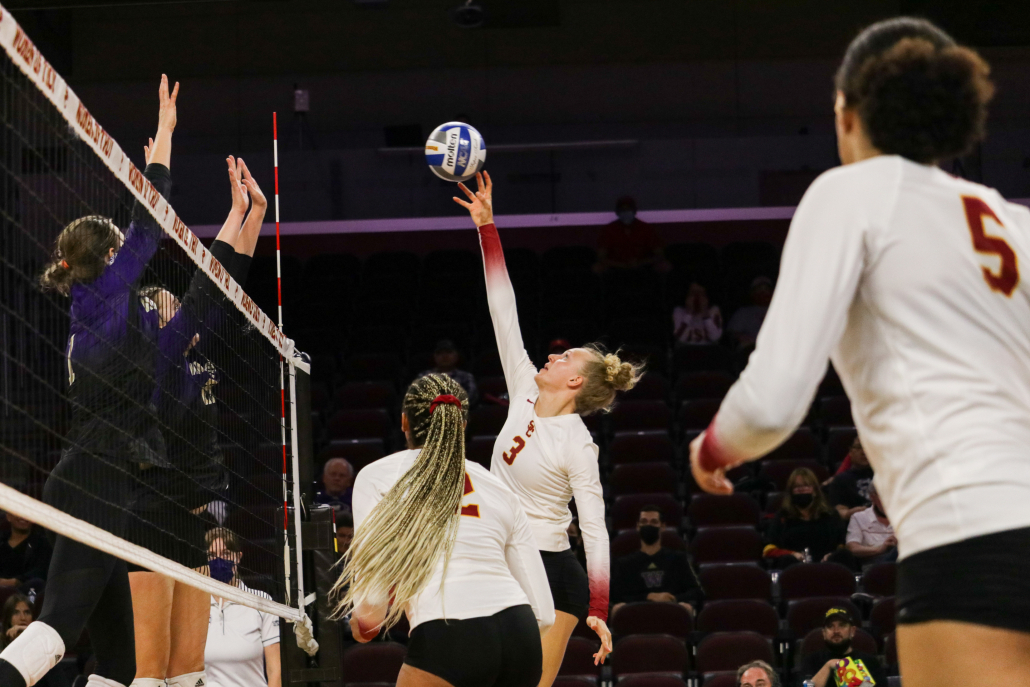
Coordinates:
[158,421]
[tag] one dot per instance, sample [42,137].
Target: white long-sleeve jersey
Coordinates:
[546,461]
[908,279]
[494,564]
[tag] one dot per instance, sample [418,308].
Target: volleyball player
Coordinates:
[171,618]
[544,452]
[110,356]
[441,539]
[908,279]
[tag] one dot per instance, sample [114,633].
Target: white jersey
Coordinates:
[908,279]
[494,564]
[546,461]
[236,639]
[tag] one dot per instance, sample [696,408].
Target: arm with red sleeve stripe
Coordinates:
[823,260]
[519,370]
[585,479]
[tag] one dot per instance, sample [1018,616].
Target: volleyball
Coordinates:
[455,151]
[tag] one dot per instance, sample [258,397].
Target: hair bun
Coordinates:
[621,375]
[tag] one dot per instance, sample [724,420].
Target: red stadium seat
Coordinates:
[804,615]
[574,681]
[480,449]
[779,471]
[357,452]
[835,411]
[697,415]
[643,478]
[373,662]
[650,617]
[720,679]
[368,423]
[487,420]
[739,615]
[707,510]
[881,618]
[579,658]
[635,416]
[802,445]
[890,653]
[880,579]
[735,581]
[641,447]
[652,681]
[816,579]
[705,384]
[628,541]
[773,501]
[730,650]
[626,509]
[358,395]
[726,545]
[638,654]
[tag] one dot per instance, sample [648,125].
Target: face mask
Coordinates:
[627,217]
[801,500]
[649,534]
[221,569]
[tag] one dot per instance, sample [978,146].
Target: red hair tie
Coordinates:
[446,399]
[64,264]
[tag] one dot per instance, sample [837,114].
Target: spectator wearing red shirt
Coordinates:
[629,243]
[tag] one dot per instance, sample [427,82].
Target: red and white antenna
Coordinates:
[282,374]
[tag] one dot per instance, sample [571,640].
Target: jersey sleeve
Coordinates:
[585,479]
[364,497]
[519,371]
[526,566]
[269,628]
[823,260]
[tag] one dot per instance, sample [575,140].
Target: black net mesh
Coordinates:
[158,431]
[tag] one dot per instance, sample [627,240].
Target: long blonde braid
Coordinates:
[396,549]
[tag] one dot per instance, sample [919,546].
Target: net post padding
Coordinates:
[13,501]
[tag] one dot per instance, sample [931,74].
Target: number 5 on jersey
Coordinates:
[1007,277]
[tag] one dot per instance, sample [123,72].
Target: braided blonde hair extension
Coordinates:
[396,549]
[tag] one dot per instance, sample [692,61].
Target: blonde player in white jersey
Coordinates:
[440,538]
[908,279]
[544,452]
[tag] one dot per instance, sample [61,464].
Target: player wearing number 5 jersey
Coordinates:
[443,540]
[544,452]
[910,281]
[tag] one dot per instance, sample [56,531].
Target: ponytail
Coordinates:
[80,253]
[396,549]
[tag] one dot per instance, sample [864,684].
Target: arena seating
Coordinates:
[647,617]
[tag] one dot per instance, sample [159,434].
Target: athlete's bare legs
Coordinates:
[191,610]
[151,609]
[945,653]
[413,677]
[554,643]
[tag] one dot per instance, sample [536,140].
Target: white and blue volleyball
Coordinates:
[455,151]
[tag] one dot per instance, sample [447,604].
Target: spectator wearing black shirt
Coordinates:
[654,573]
[829,666]
[445,362]
[805,523]
[24,557]
[849,489]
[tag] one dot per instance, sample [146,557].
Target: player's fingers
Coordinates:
[175,92]
[462,203]
[162,90]
[466,191]
[489,182]
[479,180]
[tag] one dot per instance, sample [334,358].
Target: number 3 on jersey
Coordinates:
[471,510]
[1007,277]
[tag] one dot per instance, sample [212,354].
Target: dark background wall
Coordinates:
[717,103]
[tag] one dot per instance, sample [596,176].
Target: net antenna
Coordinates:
[59,117]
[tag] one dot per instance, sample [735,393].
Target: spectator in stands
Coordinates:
[337,485]
[697,321]
[654,573]
[849,489]
[828,666]
[576,542]
[870,534]
[344,532]
[17,616]
[747,321]
[629,243]
[757,674]
[24,556]
[242,642]
[445,362]
[806,528]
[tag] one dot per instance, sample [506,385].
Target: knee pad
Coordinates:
[188,680]
[38,649]
[97,681]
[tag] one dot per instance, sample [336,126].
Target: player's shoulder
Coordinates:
[859,178]
[387,467]
[484,479]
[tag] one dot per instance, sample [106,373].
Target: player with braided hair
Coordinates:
[443,540]
[545,453]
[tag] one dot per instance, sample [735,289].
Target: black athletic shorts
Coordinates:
[499,650]
[982,580]
[163,521]
[570,588]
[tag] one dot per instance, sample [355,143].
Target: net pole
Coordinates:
[282,379]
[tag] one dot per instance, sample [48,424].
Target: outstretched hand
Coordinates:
[601,628]
[481,203]
[146,151]
[260,202]
[166,117]
[714,482]
[239,191]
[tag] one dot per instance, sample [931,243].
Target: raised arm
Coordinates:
[259,205]
[823,260]
[519,371]
[526,566]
